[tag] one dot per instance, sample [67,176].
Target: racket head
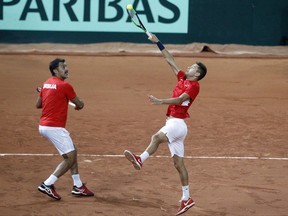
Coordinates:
[135,19]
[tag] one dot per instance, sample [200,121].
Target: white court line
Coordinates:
[158,156]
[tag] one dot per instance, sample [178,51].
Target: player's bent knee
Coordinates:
[159,138]
[71,155]
[178,162]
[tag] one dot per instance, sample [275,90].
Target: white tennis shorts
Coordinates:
[60,138]
[175,130]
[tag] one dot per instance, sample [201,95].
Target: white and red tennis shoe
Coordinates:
[185,205]
[49,190]
[81,191]
[134,159]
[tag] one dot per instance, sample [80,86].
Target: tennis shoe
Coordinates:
[81,191]
[134,159]
[49,190]
[185,205]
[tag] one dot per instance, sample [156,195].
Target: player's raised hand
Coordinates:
[154,100]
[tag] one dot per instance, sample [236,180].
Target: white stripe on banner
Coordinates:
[158,156]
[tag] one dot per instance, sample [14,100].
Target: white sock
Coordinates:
[76,180]
[51,180]
[144,156]
[185,192]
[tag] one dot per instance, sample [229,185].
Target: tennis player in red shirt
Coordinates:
[175,129]
[53,100]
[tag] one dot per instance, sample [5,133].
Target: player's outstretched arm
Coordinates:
[177,100]
[79,104]
[166,54]
[39,102]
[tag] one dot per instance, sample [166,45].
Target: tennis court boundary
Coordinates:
[157,156]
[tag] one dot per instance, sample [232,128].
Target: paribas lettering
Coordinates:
[57,10]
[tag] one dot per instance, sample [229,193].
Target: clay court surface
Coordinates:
[236,149]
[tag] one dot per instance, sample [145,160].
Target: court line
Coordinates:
[158,156]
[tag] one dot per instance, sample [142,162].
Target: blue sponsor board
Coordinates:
[163,16]
[251,22]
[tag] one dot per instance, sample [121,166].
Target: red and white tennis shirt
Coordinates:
[55,94]
[189,87]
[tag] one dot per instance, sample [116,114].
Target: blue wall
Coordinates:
[251,22]
[254,22]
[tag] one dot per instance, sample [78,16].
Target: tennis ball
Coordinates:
[129,7]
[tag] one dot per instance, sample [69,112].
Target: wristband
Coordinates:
[160,45]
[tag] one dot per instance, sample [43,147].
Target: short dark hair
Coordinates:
[54,64]
[203,70]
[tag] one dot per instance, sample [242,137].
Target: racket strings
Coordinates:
[135,19]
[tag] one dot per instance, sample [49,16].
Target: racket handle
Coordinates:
[72,104]
[148,34]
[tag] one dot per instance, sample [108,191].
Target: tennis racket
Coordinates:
[136,20]
[38,89]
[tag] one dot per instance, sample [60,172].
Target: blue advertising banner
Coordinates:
[162,16]
[251,22]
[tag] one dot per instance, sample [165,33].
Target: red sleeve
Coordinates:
[192,89]
[69,91]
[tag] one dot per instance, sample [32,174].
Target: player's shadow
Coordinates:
[128,202]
